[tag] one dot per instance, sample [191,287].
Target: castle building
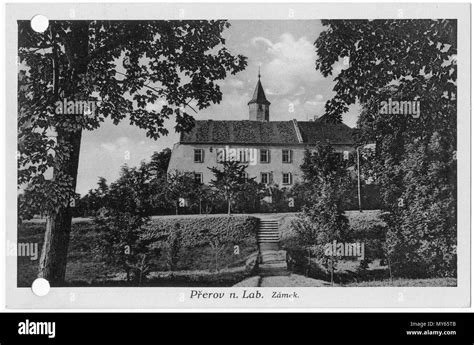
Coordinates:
[272,150]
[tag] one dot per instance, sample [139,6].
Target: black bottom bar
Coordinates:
[241,328]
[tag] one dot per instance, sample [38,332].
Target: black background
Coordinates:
[239,328]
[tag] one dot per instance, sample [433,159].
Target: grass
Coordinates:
[86,266]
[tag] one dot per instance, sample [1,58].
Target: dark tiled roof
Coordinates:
[259,95]
[274,132]
[255,132]
[321,131]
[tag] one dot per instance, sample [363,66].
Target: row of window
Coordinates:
[265,178]
[287,156]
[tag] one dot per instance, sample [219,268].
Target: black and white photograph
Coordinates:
[232,152]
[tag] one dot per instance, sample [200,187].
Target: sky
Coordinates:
[285,53]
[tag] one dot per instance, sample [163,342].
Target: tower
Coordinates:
[259,106]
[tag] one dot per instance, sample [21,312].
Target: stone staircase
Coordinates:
[272,260]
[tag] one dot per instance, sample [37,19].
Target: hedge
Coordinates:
[197,237]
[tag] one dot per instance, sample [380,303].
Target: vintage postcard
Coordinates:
[237,156]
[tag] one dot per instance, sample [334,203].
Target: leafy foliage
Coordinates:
[417,55]
[180,184]
[120,243]
[322,220]
[415,157]
[124,67]
[229,181]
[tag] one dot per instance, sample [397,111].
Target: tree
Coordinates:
[415,157]
[126,210]
[159,161]
[229,181]
[179,185]
[132,192]
[123,67]
[416,56]
[95,199]
[248,197]
[323,221]
[203,194]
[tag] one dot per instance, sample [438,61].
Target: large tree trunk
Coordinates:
[58,223]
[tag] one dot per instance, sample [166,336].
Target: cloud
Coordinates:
[235,83]
[290,69]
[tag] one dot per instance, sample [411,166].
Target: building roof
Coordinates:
[264,132]
[243,132]
[259,95]
[321,131]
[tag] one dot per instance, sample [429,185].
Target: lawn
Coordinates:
[87,267]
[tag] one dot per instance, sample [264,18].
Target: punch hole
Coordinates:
[40,287]
[39,23]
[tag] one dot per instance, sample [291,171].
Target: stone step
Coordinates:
[274,269]
[269,256]
[268,246]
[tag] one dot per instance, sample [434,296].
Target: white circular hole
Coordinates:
[40,287]
[39,23]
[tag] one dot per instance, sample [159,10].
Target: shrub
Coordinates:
[205,239]
[121,244]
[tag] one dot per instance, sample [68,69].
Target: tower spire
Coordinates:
[259,106]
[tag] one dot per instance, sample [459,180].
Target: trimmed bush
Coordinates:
[206,242]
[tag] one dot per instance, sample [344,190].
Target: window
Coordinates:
[287,178]
[198,177]
[245,176]
[266,178]
[243,156]
[287,156]
[198,155]
[264,156]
